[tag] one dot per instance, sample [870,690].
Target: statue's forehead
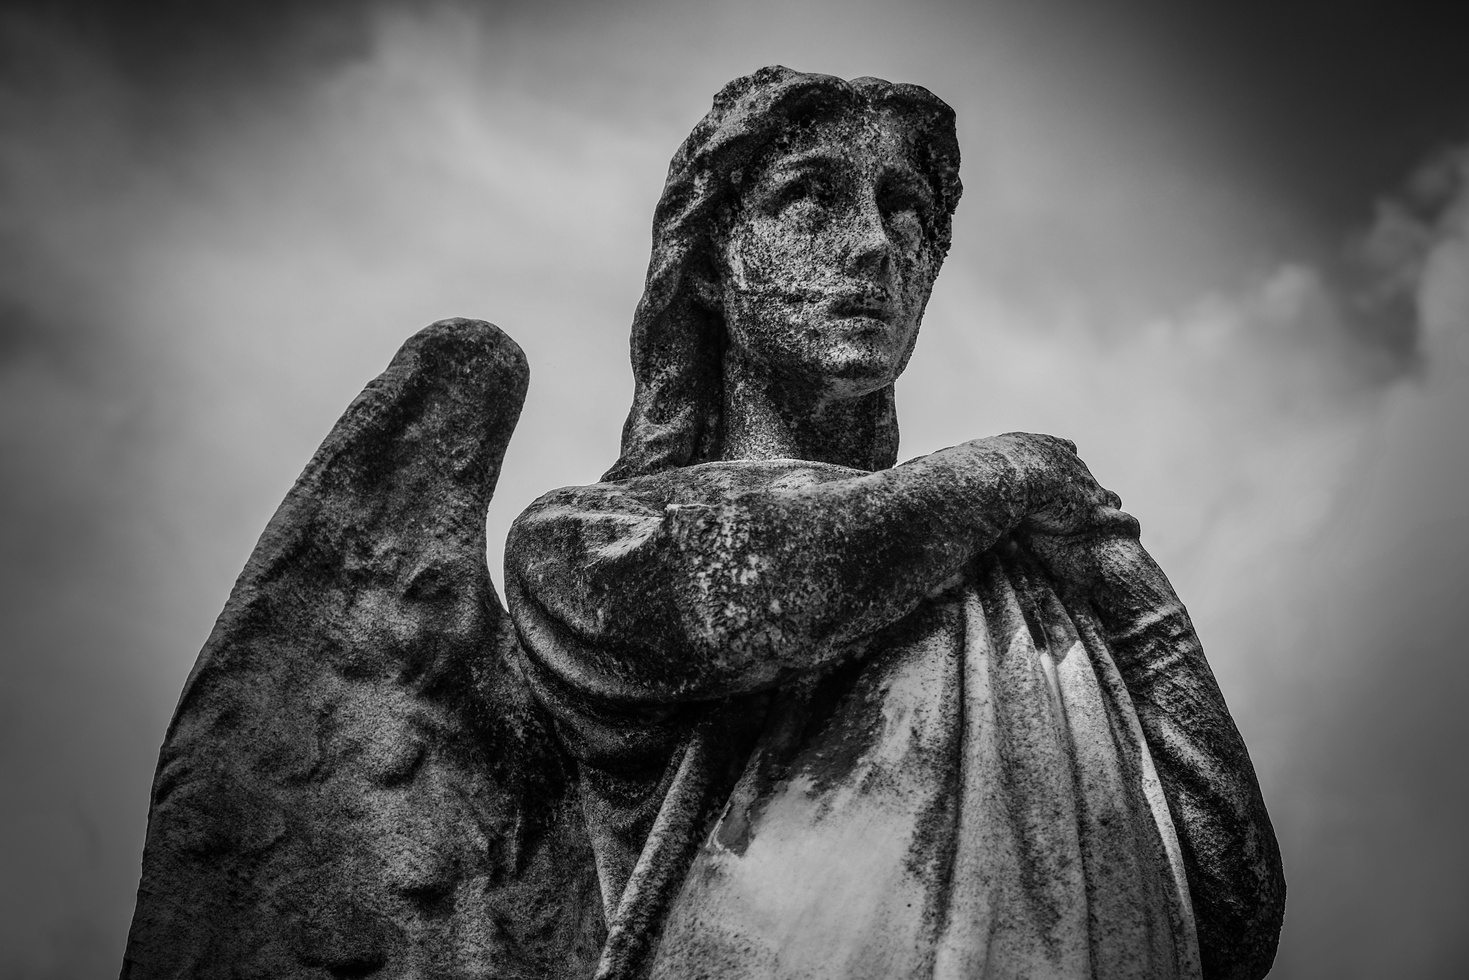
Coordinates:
[855,142]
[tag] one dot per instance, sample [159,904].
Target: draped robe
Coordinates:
[798,758]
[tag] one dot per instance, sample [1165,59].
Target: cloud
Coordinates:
[195,288]
[1295,447]
[207,257]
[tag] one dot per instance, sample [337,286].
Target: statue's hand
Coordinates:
[1063,498]
[1070,522]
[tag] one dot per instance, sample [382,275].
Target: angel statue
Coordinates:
[764,704]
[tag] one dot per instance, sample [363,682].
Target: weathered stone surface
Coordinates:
[838,718]
[356,781]
[770,707]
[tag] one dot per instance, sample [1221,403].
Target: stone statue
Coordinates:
[765,704]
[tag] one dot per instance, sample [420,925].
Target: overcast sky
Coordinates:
[1223,247]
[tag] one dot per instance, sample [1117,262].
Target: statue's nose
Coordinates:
[870,252]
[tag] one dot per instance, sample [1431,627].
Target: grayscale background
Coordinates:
[1224,247]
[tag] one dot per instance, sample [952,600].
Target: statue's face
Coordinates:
[826,263]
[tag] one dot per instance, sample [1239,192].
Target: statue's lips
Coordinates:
[859,306]
[843,304]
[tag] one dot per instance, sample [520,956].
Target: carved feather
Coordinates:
[356,780]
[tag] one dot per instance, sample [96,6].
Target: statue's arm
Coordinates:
[1229,847]
[727,577]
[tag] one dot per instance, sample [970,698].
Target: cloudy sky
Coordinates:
[1224,247]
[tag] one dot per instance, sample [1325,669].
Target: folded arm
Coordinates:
[728,577]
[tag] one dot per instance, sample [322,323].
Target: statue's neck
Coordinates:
[767,420]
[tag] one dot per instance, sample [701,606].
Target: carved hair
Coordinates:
[678,340]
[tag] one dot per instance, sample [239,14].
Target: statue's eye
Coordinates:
[809,189]
[900,198]
[906,208]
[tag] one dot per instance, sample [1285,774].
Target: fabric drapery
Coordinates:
[819,733]
[975,800]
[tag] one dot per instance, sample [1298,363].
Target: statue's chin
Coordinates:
[829,360]
[856,370]
[848,388]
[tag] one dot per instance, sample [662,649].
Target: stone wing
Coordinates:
[356,780]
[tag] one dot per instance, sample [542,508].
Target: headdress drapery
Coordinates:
[677,340]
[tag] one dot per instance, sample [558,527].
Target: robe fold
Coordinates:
[977,788]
